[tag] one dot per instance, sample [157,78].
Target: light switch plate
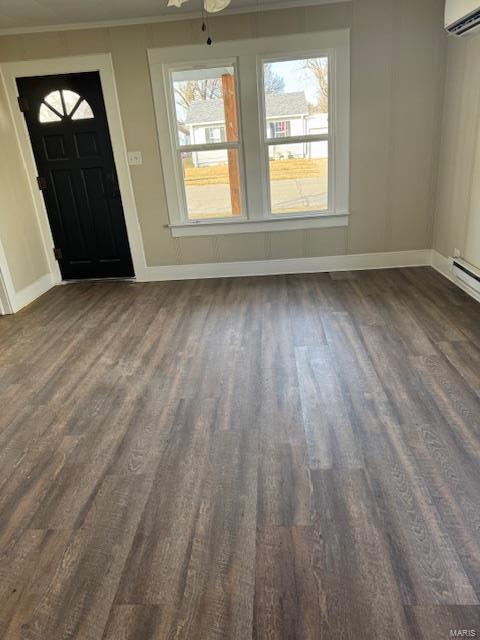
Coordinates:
[134,157]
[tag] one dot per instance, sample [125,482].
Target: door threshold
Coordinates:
[126,279]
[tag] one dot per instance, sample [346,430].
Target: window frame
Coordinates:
[180,214]
[257,216]
[267,142]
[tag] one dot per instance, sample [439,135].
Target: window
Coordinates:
[297,149]
[207,143]
[64,104]
[258,142]
[214,134]
[279,129]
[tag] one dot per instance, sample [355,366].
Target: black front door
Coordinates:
[68,128]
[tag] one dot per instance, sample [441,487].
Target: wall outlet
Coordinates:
[134,157]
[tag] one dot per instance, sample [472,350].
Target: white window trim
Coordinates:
[249,53]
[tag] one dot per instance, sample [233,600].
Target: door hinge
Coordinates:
[42,183]
[57,252]
[23,104]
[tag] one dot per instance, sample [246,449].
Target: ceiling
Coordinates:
[38,15]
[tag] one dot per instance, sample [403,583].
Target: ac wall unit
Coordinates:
[462,16]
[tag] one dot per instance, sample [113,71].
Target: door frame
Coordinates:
[76,64]
[7,290]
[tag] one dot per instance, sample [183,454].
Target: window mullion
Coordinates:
[321,137]
[212,146]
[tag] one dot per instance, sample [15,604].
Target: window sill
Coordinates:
[215,228]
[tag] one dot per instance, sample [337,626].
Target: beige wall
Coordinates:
[397,83]
[19,229]
[457,224]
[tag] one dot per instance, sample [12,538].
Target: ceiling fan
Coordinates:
[208,6]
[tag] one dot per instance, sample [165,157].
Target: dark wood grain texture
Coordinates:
[276,458]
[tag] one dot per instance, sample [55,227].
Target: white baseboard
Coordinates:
[444,266]
[5,306]
[32,292]
[352,262]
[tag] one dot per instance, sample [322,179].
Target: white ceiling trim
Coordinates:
[174,17]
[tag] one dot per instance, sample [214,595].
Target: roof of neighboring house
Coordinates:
[286,104]
[277,104]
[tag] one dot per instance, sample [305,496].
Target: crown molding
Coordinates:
[193,15]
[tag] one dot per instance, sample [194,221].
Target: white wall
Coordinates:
[19,229]
[457,224]
[472,242]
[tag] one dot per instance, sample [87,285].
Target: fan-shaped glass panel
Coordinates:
[47,115]
[64,103]
[83,111]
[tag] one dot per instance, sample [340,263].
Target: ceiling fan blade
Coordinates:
[176,3]
[213,6]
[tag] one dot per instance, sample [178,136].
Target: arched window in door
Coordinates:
[64,103]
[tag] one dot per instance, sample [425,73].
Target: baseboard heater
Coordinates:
[467,273]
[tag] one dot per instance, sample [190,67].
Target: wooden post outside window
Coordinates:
[231,135]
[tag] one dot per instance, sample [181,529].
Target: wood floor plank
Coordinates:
[437,320]
[158,560]
[453,488]
[444,621]
[465,358]
[330,436]
[218,586]
[358,584]
[331,579]
[428,565]
[26,574]
[275,611]
[138,622]
[25,491]
[285,493]
[78,599]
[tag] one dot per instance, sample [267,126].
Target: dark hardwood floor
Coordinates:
[293,457]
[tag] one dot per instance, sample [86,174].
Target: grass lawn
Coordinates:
[294,169]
